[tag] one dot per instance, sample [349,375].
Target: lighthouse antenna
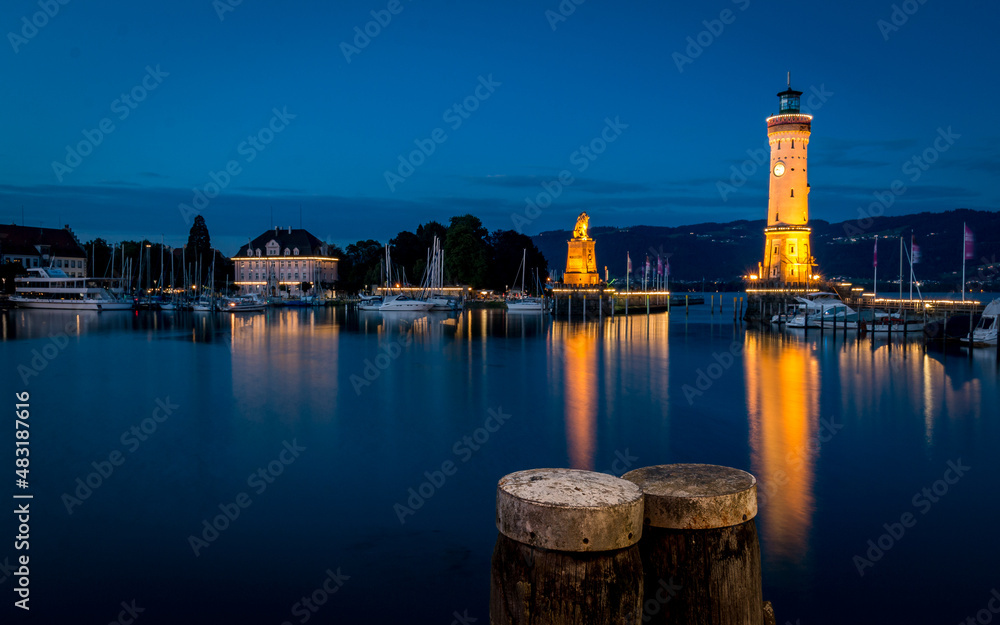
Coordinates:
[789,80]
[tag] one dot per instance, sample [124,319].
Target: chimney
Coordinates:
[289,229]
[276,231]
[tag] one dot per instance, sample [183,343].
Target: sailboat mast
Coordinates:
[963,261]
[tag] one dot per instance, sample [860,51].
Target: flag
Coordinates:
[667,267]
[629,259]
[914,253]
[659,266]
[970,243]
[647,264]
[875,260]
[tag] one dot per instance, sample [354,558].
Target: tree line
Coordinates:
[472,256]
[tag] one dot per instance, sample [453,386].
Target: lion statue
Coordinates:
[580,231]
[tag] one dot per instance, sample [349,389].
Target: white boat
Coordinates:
[202,304]
[244,303]
[444,303]
[404,303]
[525,304]
[370,302]
[521,302]
[49,287]
[168,306]
[985,332]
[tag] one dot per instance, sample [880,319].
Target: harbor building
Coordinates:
[282,261]
[43,247]
[788,259]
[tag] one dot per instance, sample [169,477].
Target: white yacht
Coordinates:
[521,301]
[244,303]
[525,304]
[49,287]
[404,303]
[985,332]
[370,302]
[818,309]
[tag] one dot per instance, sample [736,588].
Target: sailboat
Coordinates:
[522,302]
[434,281]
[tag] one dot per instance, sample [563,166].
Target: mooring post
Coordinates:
[700,540]
[686,305]
[711,305]
[567,550]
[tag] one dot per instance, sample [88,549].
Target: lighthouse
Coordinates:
[787,252]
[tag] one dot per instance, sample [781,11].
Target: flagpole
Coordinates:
[910,256]
[875,288]
[900,271]
[963,260]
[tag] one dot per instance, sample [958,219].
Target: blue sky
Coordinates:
[532,89]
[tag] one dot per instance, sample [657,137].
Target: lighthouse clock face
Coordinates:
[779,168]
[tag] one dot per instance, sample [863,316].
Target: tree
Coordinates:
[199,240]
[99,257]
[466,252]
[507,249]
[305,286]
[359,266]
[9,271]
[407,250]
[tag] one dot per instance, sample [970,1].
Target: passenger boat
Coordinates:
[50,287]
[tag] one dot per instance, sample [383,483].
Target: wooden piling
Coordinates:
[700,535]
[567,550]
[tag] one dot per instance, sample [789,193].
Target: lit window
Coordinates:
[793,144]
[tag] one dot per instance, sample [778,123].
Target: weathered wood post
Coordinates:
[700,541]
[567,550]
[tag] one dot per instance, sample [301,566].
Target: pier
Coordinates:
[596,302]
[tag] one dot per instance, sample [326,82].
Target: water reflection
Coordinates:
[575,369]
[783,390]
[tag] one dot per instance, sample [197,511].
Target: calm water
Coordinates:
[843,436]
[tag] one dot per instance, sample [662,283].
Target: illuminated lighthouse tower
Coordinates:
[787,256]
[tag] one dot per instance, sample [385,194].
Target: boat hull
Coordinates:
[71,305]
